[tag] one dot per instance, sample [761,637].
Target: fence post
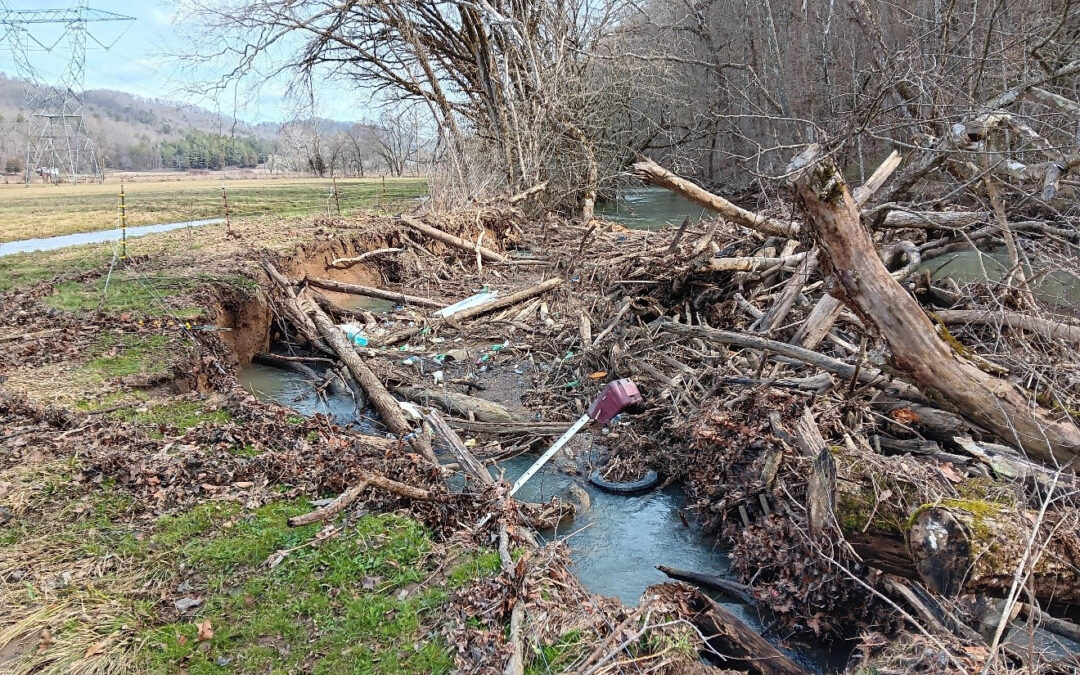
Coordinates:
[225,202]
[123,224]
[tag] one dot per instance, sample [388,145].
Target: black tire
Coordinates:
[644,484]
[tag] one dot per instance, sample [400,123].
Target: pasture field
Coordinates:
[41,210]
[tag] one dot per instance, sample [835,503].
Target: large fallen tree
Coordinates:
[851,259]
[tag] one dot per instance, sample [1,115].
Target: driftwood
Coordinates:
[293,311]
[472,466]
[780,307]
[381,293]
[939,425]
[753,263]
[511,428]
[651,172]
[334,309]
[870,376]
[728,637]
[507,300]
[352,494]
[330,510]
[386,405]
[711,581]
[973,546]
[486,254]
[1033,324]
[458,404]
[869,289]
[343,263]
[821,493]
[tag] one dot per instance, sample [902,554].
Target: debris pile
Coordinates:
[876,445]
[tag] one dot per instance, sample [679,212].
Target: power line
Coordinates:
[58,146]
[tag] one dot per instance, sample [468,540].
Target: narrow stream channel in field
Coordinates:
[53,243]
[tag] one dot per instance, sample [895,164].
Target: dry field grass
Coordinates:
[41,210]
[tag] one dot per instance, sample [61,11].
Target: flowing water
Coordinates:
[1056,287]
[52,243]
[650,209]
[615,545]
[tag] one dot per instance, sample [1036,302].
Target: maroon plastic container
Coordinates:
[616,396]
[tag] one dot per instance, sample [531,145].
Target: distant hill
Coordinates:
[133,133]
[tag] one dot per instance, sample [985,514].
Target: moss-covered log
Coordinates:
[877,495]
[975,546]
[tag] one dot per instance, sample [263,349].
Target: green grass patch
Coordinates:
[340,600]
[127,292]
[27,269]
[115,355]
[179,414]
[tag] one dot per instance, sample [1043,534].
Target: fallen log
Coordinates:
[713,582]
[870,376]
[507,300]
[381,293]
[343,501]
[851,258]
[336,310]
[367,478]
[386,405]
[486,254]
[752,263]
[651,172]
[472,466]
[972,546]
[934,220]
[297,367]
[729,639]
[998,318]
[458,404]
[940,425]
[344,263]
[512,428]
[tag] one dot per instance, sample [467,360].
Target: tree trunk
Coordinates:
[739,644]
[381,293]
[651,172]
[869,289]
[486,254]
[386,405]
[458,404]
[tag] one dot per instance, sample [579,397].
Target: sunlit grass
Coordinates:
[40,210]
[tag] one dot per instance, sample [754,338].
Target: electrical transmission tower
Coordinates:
[58,146]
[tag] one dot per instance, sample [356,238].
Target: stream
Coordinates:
[615,545]
[53,243]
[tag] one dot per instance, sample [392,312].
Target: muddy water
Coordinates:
[52,243]
[363,302]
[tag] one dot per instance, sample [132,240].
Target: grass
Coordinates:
[40,210]
[366,600]
[181,415]
[115,355]
[342,600]
[144,295]
[26,269]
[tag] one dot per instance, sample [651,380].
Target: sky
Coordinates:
[138,62]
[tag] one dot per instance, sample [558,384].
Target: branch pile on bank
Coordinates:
[877,445]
